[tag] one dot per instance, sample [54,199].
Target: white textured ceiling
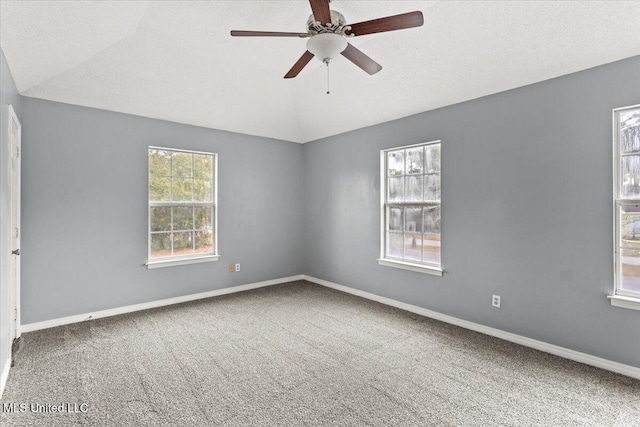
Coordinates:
[175,60]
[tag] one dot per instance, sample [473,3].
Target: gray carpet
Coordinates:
[300,354]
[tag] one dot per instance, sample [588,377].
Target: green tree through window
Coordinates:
[181,203]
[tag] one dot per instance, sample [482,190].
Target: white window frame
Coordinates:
[421,267]
[191,258]
[620,298]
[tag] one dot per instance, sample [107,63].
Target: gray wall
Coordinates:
[526,211]
[84,210]
[8,96]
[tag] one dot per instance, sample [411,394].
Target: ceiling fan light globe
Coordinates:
[326,46]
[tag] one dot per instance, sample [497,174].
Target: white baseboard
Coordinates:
[5,375]
[30,327]
[587,359]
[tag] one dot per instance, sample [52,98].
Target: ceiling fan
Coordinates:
[327,31]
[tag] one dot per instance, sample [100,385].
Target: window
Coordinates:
[627,205]
[182,207]
[410,207]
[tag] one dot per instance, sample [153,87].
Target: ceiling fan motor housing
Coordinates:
[337,24]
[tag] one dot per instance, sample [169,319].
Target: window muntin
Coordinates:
[627,200]
[411,204]
[182,208]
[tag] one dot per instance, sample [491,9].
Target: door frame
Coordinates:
[15,178]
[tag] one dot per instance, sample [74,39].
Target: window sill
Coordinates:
[181,261]
[420,268]
[624,302]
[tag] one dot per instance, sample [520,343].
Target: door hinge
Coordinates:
[17,151]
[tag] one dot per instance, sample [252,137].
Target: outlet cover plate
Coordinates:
[495,301]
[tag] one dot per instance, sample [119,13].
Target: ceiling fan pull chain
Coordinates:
[328,91]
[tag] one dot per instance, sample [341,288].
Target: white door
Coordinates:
[14,140]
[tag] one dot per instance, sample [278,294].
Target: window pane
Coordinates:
[204,242]
[431,248]
[630,131]
[202,190]
[413,192]
[630,226]
[395,219]
[415,160]
[395,163]
[183,243]
[431,242]
[159,162]
[159,189]
[432,220]
[630,265]
[182,164]
[182,189]
[161,219]
[203,166]
[413,247]
[630,176]
[160,245]
[203,218]
[394,245]
[413,220]
[182,218]
[396,190]
[432,188]
[433,158]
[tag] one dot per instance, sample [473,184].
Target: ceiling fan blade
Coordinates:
[298,66]
[361,60]
[390,23]
[238,33]
[321,10]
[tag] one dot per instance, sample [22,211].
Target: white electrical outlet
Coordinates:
[495,301]
[238,267]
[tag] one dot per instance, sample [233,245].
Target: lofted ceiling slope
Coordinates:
[175,60]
